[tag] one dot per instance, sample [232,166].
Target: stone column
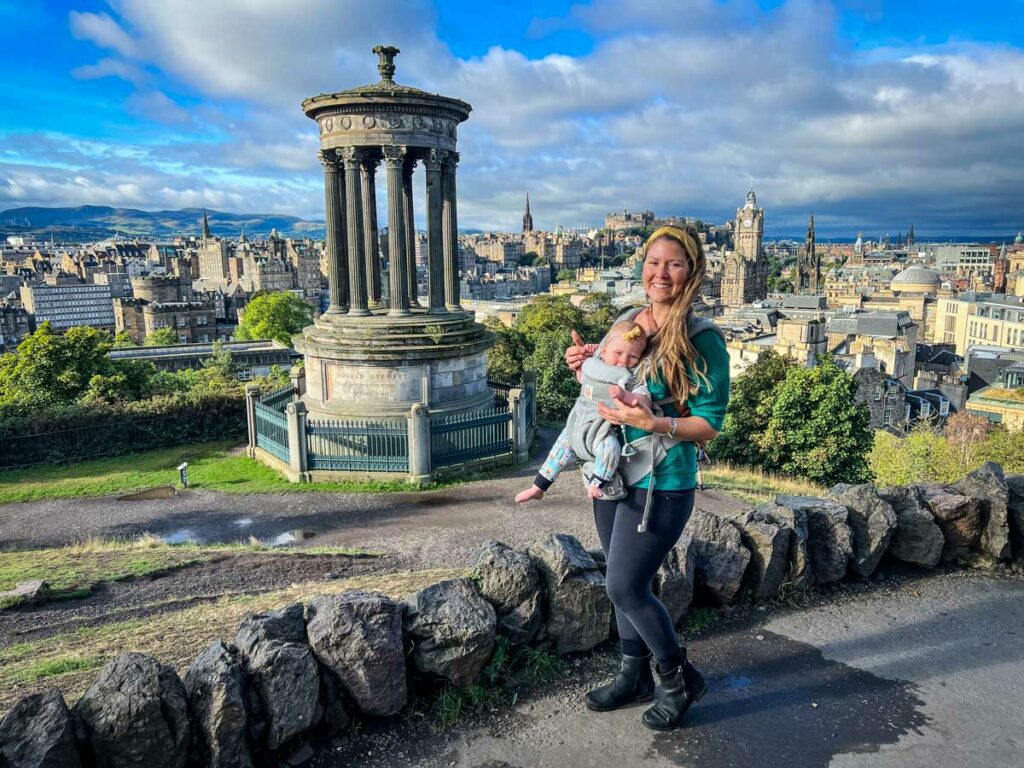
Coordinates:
[410,230]
[367,176]
[354,224]
[419,444]
[298,379]
[296,413]
[252,394]
[451,235]
[435,244]
[334,199]
[397,283]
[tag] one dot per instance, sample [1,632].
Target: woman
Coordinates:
[693,373]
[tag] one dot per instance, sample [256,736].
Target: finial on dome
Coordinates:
[386,66]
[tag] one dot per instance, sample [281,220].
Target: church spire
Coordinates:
[527,217]
[206,225]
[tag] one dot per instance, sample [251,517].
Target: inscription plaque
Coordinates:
[350,384]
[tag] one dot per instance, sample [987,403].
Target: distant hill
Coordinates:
[97,222]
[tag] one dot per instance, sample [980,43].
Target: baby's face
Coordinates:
[625,354]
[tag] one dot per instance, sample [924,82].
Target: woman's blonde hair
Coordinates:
[671,350]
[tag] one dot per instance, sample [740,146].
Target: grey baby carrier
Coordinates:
[642,455]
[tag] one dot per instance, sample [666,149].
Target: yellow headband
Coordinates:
[681,236]
[633,333]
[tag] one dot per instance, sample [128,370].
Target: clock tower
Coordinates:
[745,276]
[749,228]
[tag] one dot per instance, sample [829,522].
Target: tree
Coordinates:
[565,274]
[123,340]
[278,316]
[53,370]
[751,399]
[817,429]
[922,456]
[528,259]
[550,313]
[557,388]
[966,434]
[127,381]
[162,337]
[1005,448]
[505,360]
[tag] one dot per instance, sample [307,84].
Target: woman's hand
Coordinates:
[639,415]
[576,354]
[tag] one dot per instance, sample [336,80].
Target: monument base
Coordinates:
[379,366]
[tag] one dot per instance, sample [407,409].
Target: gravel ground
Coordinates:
[782,695]
[436,529]
[178,589]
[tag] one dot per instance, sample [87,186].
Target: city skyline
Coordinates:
[869,114]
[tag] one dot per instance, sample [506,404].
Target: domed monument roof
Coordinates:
[916,279]
[386,112]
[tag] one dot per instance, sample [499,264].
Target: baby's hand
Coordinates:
[618,393]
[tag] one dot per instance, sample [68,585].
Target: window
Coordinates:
[926,409]
[944,408]
[878,392]
[887,418]
[906,413]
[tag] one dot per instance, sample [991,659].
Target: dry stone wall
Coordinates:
[291,673]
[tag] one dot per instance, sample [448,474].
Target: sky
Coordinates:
[872,115]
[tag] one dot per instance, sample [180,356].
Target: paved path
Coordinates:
[443,528]
[929,674]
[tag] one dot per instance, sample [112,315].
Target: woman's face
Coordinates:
[665,270]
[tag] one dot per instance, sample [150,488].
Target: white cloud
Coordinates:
[676,108]
[101,29]
[109,67]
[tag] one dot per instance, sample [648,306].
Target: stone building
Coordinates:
[65,302]
[213,253]
[191,321]
[627,220]
[527,217]
[15,325]
[808,265]
[745,272]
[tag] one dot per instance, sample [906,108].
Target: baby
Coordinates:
[609,373]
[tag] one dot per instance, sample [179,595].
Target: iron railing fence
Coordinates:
[272,423]
[465,437]
[358,445]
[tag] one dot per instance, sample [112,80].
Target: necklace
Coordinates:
[653,321]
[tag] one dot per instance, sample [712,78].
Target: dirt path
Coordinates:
[179,588]
[435,529]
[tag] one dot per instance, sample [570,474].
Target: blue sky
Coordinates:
[871,114]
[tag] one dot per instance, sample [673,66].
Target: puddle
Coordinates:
[734,682]
[436,501]
[290,537]
[183,536]
[160,492]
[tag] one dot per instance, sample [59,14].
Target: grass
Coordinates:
[211,466]
[73,571]
[699,620]
[71,660]
[756,486]
[506,669]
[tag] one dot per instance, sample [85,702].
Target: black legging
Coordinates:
[633,561]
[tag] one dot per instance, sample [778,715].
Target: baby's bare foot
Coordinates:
[531,493]
[594,492]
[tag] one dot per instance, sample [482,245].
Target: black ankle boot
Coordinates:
[677,690]
[633,682]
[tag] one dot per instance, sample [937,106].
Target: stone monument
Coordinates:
[368,357]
